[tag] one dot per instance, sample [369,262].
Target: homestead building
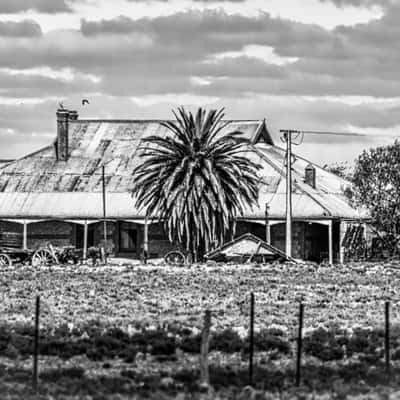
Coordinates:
[55,194]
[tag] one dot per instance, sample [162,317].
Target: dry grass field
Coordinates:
[133,332]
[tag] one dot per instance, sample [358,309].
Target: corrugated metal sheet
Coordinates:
[327,200]
[92,143]
[67,205]
[39,186]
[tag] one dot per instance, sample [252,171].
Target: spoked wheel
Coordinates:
[43,257]
[5,261]
[175,258]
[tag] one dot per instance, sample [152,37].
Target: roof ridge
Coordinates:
[150,120]
[296,183]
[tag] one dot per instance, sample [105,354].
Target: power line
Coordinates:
[334,133]
[307,132]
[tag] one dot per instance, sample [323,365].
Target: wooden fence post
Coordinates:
[299,345]
[387,337]
[251,339]
[36,346]
[205,339]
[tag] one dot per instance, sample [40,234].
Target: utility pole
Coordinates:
[287,136]
[267,226]
[104,211]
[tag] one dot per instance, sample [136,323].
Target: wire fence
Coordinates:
[205,338]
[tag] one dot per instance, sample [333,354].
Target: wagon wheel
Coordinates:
[43,257]
[175,258]
[5,260]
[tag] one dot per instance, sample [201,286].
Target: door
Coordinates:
[127,237]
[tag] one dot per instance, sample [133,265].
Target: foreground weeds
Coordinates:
[135,333]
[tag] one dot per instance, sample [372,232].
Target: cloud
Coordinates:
[148,56]
[26,28]
[256,66]
[42,6]
[359,3]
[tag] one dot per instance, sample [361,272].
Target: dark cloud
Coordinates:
[149,55]
[43,6]
[25,28]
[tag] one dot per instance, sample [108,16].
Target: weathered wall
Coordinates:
[58,233]
[10,234]
[309,240]
[256,229]
[159,244]
[98,236]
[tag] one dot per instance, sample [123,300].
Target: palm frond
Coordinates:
[196,179]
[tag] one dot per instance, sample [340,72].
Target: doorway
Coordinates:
[128,236]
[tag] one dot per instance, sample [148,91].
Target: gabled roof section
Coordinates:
[263,135]
[247,244]
[91,144]
[326,200]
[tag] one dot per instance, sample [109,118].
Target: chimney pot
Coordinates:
[73,115]
[310,175]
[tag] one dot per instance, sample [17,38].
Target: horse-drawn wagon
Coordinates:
[42,256]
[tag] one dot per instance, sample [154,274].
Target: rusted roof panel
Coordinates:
[40,186]
[92,143]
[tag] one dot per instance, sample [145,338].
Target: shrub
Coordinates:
[190,344]
[56,374]
[365,341]
[266,341]
[227,341]
[323,344]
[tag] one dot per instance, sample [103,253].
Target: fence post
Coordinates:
[36,345]
[387,337]
[251,339]
[299,344]
[205,338]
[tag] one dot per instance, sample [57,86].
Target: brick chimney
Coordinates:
[310,175]
[62,144]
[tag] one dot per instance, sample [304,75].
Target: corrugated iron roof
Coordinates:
[93,143]
[39,186]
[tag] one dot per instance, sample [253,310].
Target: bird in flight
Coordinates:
[85,101]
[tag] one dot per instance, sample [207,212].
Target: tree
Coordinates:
[341,169]
[377,183]
[196,180]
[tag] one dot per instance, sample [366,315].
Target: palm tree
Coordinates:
[196,180]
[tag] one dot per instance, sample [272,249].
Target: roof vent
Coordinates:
[310,175]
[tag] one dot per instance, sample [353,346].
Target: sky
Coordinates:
[328,65]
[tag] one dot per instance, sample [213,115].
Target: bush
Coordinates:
[365,341]
[56,374]
[267,341]
[227,341]
[190,344]
[324,345]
